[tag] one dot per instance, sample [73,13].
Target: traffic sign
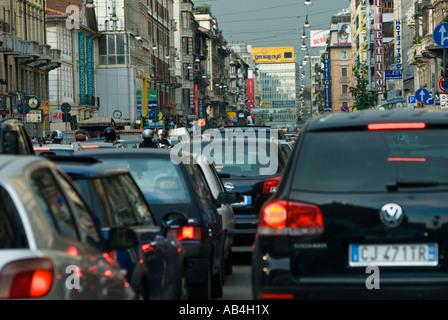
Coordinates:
[440,35]
[344,108]
[65,107]
[422,95]
[201,122]
[23,108]
[444,101]
[412,101]
[442,83]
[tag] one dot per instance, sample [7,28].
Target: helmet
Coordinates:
[162,131]
[147,134]
[56,136]
[110,134]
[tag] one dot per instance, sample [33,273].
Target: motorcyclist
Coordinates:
[163,142]
[147,142]
[56,136]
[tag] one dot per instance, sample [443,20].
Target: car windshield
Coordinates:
[242,158]
[367,161]
[159,179]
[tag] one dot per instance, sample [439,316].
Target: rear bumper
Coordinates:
[273,278]
[197,259]
[434,291]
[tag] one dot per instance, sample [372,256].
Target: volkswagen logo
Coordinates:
[229,186]
[391,214]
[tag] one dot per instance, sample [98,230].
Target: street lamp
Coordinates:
[90,4]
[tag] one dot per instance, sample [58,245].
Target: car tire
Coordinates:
[228,267]
[182,293]
[218,282]
[201,291]
[142,291]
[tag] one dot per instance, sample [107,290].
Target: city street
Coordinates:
[237,286]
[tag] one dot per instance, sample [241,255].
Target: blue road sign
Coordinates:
[412,100]
[440,35]
[422,95]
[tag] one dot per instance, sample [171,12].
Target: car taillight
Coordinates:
[27,278]
[282,217]
[270,185]
[90,147]
[187,233]
[397,125]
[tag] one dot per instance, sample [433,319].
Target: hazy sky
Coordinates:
[272,23]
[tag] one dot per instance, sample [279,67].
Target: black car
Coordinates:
[361,211]
[251,166]
[156,265]
[178,185]
[13,138]
[256,131]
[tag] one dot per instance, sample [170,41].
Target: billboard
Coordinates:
[344,33]
[273,55]
[318,38]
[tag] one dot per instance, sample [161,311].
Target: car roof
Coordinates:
[161,152]
[363,118]
[87,167]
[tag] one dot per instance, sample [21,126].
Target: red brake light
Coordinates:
[28,278]
[407,159]
[41,149]
[91,147]
[394,126]
[187,233]
[293,218]
[270,185]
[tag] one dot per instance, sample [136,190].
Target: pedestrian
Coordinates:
[163,142]
[147,142]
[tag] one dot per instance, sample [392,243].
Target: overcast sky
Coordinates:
[272,23]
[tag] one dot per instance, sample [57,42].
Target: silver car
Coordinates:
[223,200]
[50,246]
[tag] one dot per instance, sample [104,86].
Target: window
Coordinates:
[186,20]
[12,234]
[53,202]
[88,228]
[113,49]
[344,71]
[366,161]
[344,55]
[344,89]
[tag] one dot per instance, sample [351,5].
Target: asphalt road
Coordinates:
[237,286]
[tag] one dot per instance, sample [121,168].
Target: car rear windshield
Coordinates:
[159,179]
[243,158]
[366,161]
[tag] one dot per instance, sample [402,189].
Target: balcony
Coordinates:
[430,49]
[29,52]
[11,45]
[409,18]
[55,62]
[44,56]
[415,55]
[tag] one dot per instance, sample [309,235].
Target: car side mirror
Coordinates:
[226,197]
[121,238]
[239,197]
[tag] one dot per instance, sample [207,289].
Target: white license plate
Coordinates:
[419,254]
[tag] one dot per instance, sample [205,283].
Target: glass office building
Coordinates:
[278,82]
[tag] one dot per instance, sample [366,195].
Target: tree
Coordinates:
[365,99]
